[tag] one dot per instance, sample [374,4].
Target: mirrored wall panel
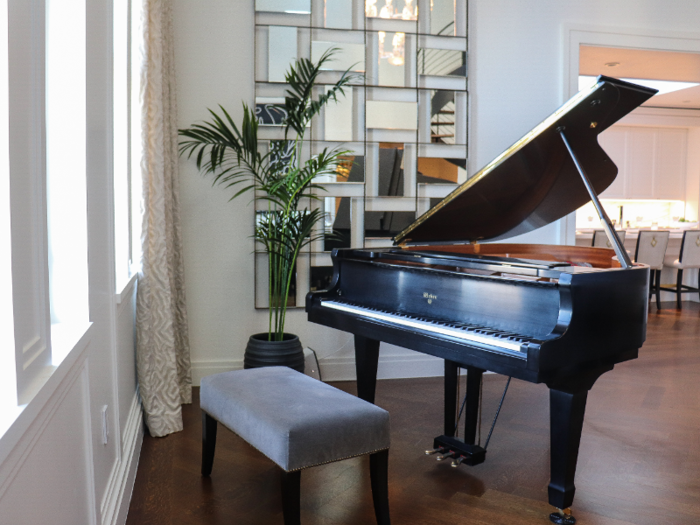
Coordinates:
[402,123]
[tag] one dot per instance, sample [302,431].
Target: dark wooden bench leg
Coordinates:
[208,442]
[291,497]
[379,475]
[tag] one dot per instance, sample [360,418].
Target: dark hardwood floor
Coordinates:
[639,461]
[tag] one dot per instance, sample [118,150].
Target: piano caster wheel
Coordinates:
[562,517]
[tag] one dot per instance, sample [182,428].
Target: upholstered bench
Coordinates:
[297,422]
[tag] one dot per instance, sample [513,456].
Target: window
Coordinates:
[8,384]
[66,168]
[120,119]
[127,139]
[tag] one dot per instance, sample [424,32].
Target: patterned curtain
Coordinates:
[162,343]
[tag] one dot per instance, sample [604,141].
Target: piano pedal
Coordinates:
[562,517]
[459,451]
[438,450]
[447,456]
[457,462]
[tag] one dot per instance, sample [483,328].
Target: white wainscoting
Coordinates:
[394,363]
[48,475]
[115,502]
[46,470]
[50,460]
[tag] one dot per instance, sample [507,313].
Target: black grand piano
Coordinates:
[558,315]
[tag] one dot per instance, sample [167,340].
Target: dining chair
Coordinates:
[600,238]
[688,258]
[651,250]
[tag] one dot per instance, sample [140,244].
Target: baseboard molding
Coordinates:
[208,367]
[115,503]
[341,368]
[390,367]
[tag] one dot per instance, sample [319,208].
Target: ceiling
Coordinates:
[646,64]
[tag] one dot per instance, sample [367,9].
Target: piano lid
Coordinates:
[534,182]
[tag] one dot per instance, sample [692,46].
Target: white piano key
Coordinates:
[482,336]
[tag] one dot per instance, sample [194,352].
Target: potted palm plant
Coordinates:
[283,180]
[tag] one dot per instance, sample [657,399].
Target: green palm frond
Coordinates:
[299,104]
[279,177]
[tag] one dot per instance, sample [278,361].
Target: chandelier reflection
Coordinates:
[396,55]
[388,10]
[397,52]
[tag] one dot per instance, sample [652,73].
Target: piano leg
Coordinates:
[451,379]
[366,359]
[567,407]
[566,423]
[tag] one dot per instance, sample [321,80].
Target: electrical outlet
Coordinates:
[105,426]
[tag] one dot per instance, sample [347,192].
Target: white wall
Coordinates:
[54,467]
[692,188]
[214,54]
[516,76]
[519,68]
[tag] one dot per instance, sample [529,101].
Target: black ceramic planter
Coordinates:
[261,352]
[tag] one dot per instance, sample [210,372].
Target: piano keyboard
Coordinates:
[489,339]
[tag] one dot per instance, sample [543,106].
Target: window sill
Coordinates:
[64,338]
[127,289]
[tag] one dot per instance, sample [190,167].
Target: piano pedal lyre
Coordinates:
[562,517]
[459,451]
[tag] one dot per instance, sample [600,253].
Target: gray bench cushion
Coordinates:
[292,418]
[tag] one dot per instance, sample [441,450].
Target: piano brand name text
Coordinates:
[430,297]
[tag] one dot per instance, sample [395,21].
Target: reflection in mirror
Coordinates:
[440,171]
[284,6]
[392,59]
[387,223]
[337,223]
[442,17]
[282,46]
[347,56]
[338,118]
[396,9]
[281,152]
[435,202]
[390,170]
[442,62]
[351,169]
[262,286]
[337,14]
[382,114]
[321,277]
[442,117]
[267,111]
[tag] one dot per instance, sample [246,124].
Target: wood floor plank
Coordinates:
[639,461]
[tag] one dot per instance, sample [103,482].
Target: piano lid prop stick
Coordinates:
[620,251]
